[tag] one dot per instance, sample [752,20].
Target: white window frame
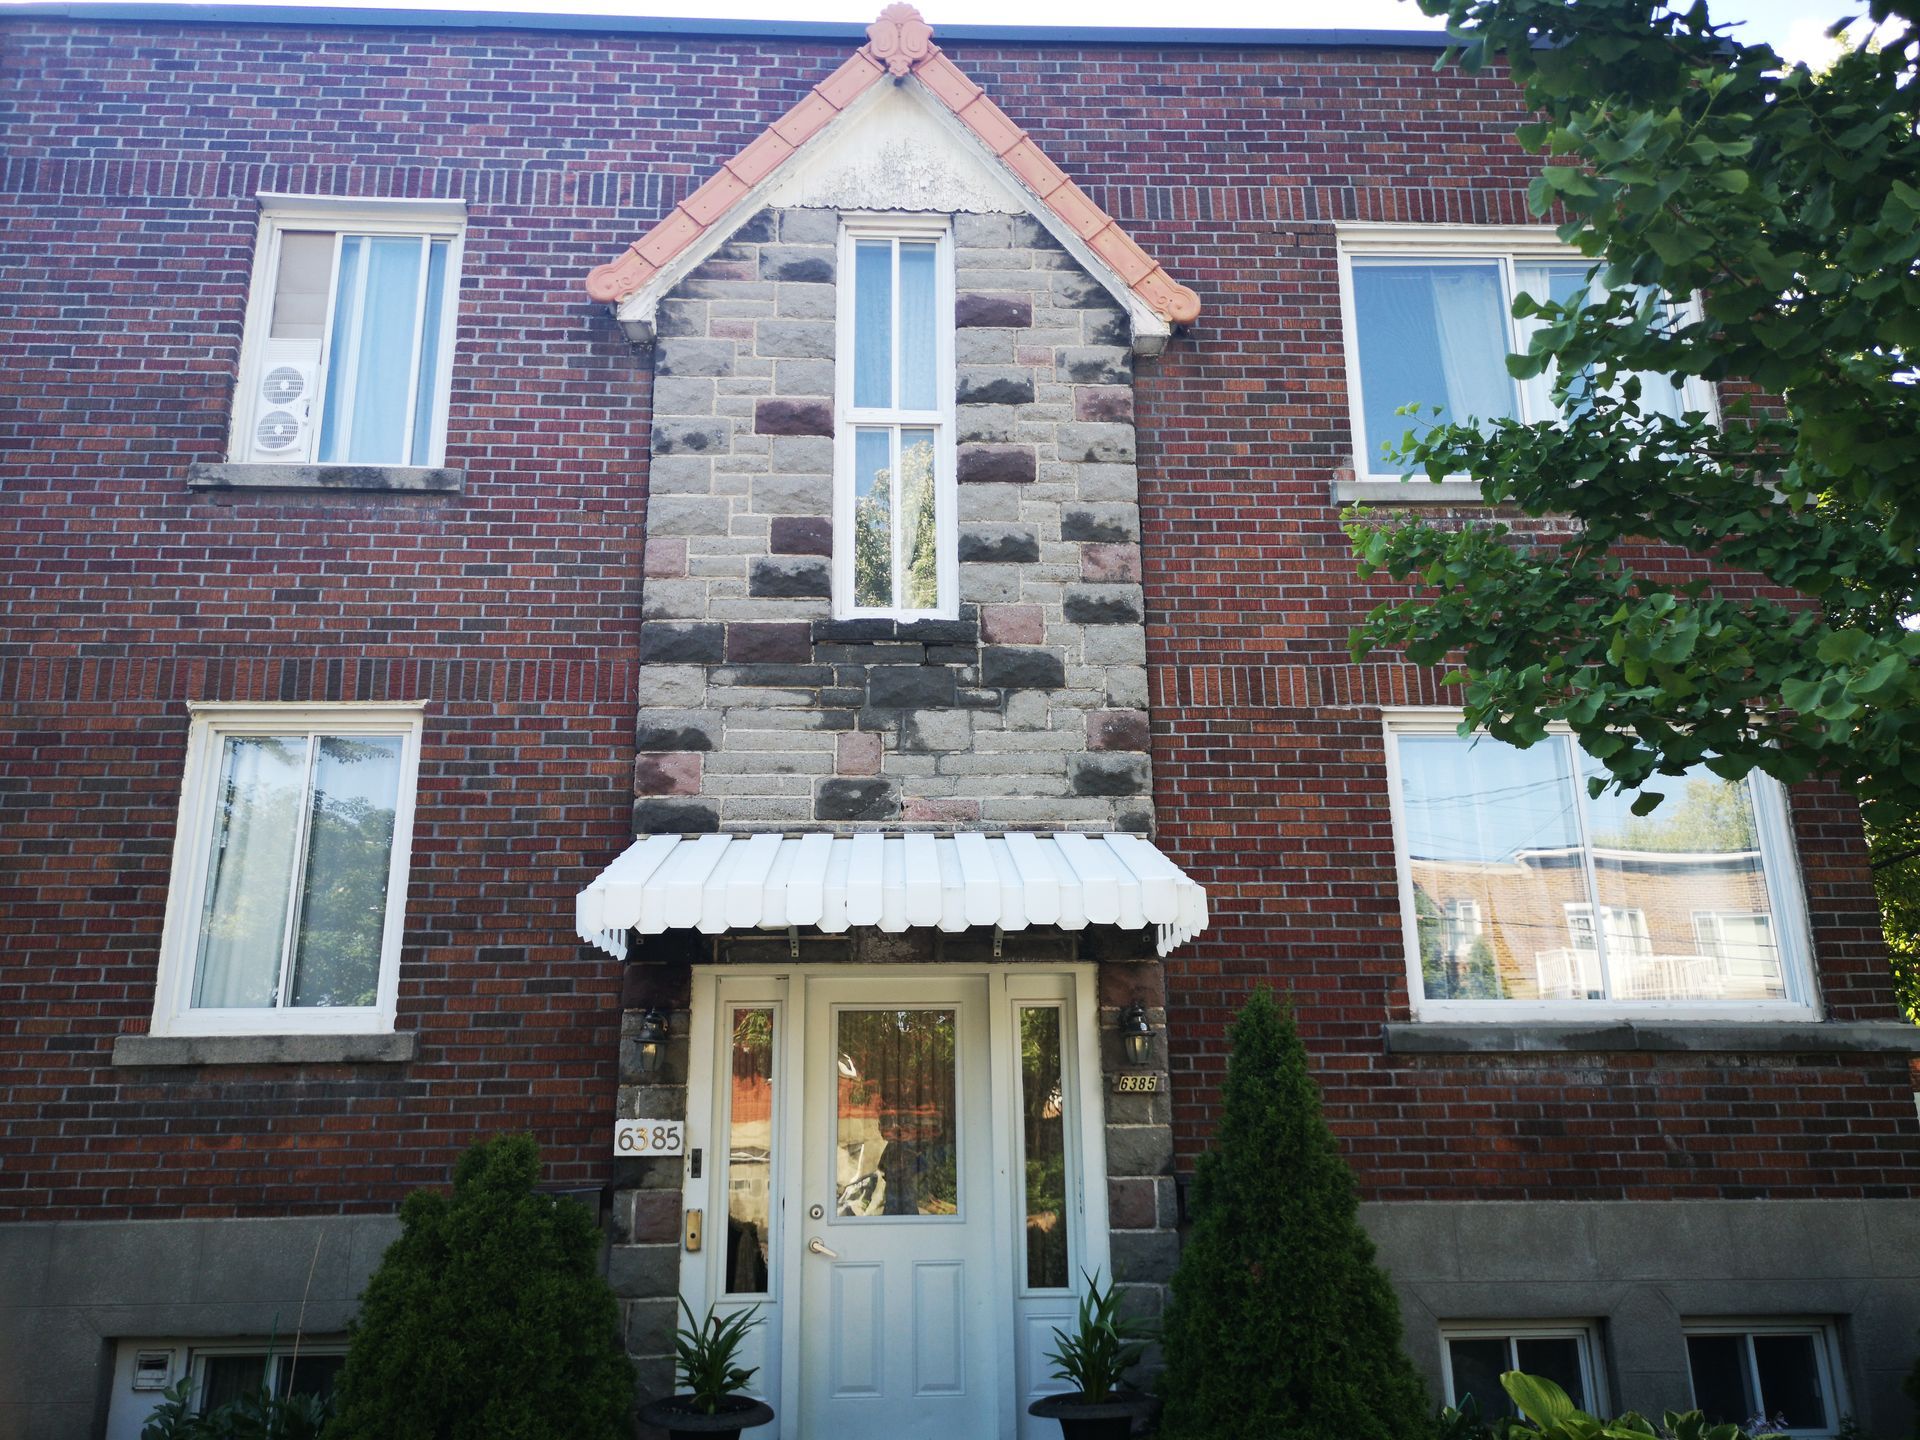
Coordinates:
[1585,1332]
[173,1012]
[1506,245]
[279,213]
[848,417]
[1826,1352]
[1779,866]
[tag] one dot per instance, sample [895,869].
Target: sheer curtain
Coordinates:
[250,872]
[1469,311]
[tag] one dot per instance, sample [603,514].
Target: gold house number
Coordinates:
[1136,1084]
[649,1137]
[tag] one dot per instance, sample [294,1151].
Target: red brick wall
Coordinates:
[132,154]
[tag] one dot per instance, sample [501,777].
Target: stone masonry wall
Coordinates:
[761,711]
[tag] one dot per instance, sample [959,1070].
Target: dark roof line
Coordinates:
[843,32]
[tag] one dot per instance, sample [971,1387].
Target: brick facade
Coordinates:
[132,157]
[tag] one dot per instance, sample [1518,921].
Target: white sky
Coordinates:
[1793,27]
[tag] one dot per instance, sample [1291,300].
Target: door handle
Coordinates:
[817,1246]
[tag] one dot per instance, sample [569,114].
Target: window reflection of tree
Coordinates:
[898,1142]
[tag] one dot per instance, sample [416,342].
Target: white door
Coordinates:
[896,1225]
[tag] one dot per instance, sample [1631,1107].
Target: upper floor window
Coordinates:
[1429,321]
[1521,891]
[894,507]
[349,343]
[289,870]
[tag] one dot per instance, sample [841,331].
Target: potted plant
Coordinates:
[1093,1359]
[705,1360]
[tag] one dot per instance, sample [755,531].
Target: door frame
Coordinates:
[782,987]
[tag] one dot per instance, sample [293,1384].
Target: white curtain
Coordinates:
[250,871]
[1470,314]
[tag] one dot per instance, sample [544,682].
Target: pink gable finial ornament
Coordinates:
[900,39]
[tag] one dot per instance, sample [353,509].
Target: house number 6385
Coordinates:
[649,1137]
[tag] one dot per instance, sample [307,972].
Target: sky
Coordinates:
[1793,27]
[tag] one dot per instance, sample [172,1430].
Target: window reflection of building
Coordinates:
[749,1153]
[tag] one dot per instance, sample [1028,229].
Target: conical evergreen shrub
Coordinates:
[488,1317]
[1280,1325]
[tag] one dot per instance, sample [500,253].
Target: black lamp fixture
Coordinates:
[1136,1035]
[652,1038]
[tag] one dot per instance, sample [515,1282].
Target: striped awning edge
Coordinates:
[716,883]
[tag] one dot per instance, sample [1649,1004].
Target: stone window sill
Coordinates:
[367,479]
[391,1049]
[1734,1037]
[1406,492]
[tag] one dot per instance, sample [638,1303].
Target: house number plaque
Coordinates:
[649,1137]
[1146,1084]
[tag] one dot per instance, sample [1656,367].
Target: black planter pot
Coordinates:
[1079,1420]
[680,1418]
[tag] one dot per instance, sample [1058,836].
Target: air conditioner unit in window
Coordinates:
[285,407]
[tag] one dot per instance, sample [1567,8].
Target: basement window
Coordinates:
[1776,1375]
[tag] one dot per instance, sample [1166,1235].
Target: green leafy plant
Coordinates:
[258,1415]
[705,1355]
[489,1318]
[1103,1346]
[1549,1412]
[1685,162]
[1280,1325]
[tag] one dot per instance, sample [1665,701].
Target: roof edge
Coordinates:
[384,17]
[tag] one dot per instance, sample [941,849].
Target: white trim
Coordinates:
[173,1013]
[1585,1332]
[850,418]
[1826,1352]
[1779,868]
[1504,244]
[344,215]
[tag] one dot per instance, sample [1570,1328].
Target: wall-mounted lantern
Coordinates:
[1136,1035]
[652,1041]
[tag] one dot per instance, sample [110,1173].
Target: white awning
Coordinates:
[716,883]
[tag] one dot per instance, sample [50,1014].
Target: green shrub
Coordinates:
[488,1319]
[1548,1413]
[258,1416]
[1280,1325]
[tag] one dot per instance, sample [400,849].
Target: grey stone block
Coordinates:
[1139,1150]
[756,229]
[687,515]
[1096,444]
[1096,365]
[808,495]
[1075,290]
[1109,773]
[1114,645]
[976,232]
[638,1272]
[1104,605]
[1022,667]
[802,455]
[658,730]
[680,475]
[990,309]
[805,302]
[690,355]
[1145,1256]
[995,385]
[794,339]
[807,264]
[845,798]
[674,600]
[915,687]
[983,347]
[989,463]
[661,815]
[779,416]
[998,544]
[681,642]
[809,227]
[930,731]
[390,479]
[680,317]
[801,535]
[1101,524]
[803,377]
[986,424]
[673,435]
[789,576]
[682,395]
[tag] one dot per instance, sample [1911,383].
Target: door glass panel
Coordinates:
[750,1153]
[897,1118]
[1043,1124]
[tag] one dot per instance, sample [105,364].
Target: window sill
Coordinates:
[1769,1037]
[373,479]
[1407,492]
[392,1049]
